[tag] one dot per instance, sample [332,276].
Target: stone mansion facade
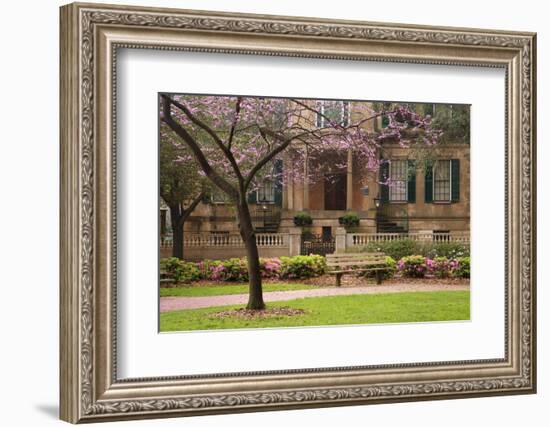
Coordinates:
[423,197]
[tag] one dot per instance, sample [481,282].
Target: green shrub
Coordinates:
[350,219]
[396,249]
[231,270]
[450,250]
[463,267]
[206,267]
[180,271]
[302,218]
[302,266]
[412,266]
[400,248]
[391,268]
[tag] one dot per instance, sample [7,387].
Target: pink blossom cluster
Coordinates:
[270,267]
[236,132]
[420,266]
[442,267]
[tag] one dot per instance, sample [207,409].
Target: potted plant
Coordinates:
[349,220]
[302,219]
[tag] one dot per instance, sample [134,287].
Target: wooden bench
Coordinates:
[340,264]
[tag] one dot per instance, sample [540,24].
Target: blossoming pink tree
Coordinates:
[235,140]
[181,186]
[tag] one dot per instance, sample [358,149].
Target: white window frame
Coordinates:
[217,192]
[450,181]
[266,202]
[321,122]
[406,181]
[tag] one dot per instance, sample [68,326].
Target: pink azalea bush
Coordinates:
[270,268]
[412,266]
[235,269]
[442,267]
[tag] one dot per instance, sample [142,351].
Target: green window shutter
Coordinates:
[411,181]
[455,180]
[207,198]
[385,121]
[252,197]
[428,184]
[278,187]
[384,175]
[429,110]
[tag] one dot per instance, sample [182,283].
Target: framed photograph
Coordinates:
[266,212]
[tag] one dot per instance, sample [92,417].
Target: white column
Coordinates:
[340,240]
[294,240]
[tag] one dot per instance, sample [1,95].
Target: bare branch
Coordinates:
[223,184]
[234,124]
[226,150]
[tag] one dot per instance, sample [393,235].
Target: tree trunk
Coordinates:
[255,295]
[177,231]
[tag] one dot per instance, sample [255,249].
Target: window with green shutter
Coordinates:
[278,167]
[398,180]
[411,181]
[429,110]
[271,189]
[442,181]
[428,184]
[251,197]
[384,175]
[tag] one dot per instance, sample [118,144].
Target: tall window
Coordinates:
[335,111]
[266,192]
[218,196]
[442,181]
[398,181]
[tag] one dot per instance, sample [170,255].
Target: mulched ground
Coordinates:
[347,280]
[351,280]
[243,313]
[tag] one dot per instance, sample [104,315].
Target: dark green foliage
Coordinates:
[179,271]
[450,250]
[350,219]
[302,266]
[391,268]
[454,121]
[398,249]
[302,218]
[463,269]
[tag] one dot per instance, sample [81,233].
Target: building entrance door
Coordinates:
[335,191]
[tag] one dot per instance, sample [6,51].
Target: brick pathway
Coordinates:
[185,303]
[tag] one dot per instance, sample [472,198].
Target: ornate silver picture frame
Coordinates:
[91,36]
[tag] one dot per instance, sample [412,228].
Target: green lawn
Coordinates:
[228,289]
[339,310]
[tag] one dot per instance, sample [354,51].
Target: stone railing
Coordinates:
[362,239]
[191,240]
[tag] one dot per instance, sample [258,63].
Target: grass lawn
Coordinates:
[334,310]
[228,289]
